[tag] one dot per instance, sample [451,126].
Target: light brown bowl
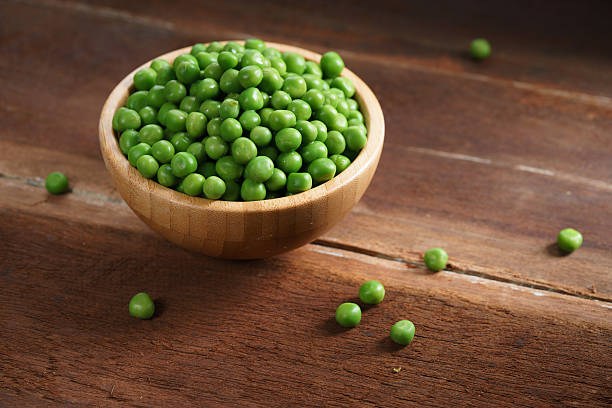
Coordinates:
[243,230]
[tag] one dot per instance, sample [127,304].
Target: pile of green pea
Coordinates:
[232,121]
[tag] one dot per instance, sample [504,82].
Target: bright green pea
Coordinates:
[214,46]
[322,169]
[234,47]
[278,64]
[280,100]
[300,108]
[137,100]
[141,306]
[270,52]
[312,82]
[355,137]
[321,130]
[264,114]
[289,162]
[480,49]
[150,134]
[165,74]
[345,85]
[159,63]
[288,139]
[436,259]
[205,59]
[210,108]
[255,44]
[331,98]
[229,81]
[295,86]
[136,151]
[155,96]
[230,108]
[187,72]
[192,184]
[356,115]
[341,162]
[250,76]
[353,105]
[253,57]
[299,182]
[270,151]
[184,58]
[214,188]
[204,89]
[276,181]
[230,130]
[372,292]
[326,113]
[148,115]
[56,183]
[198,150]
[127,119]
[227,60]
[197,48]
[348,315]
[271,80]
[207,169]
[295,62]
[249,120]
[174,91]
[163,110]
[196,124]
[176,119]
[313,151]
[402,332]
[313,68]
[232,191]
[259,169]
[252,190]
[162,151]
[331,64]
[337,122]
[145,78]
[213,71]
[282,119]
[342,107]
[314,98]
[357,123]
[569,240]
[261,136]
[266,98]
[251,99]
[228,169]
[335,142]
[180,141]
[128,139]
[243,150]
[147,166]
[165,176]
[183,163]
[214,127]
[307,130]
[215,147]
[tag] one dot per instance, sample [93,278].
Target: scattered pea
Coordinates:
[569,240]
[56,183]
[480,49]
[402,332]
[348,315]
[436,259]
[142,306]
[372,292]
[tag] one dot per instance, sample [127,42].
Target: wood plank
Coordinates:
[242,333]
[526,37]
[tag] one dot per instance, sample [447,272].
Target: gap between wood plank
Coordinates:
[397,61]
[40,183]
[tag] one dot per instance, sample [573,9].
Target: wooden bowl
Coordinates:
[243,230]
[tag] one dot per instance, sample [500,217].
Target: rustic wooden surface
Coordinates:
[488,160]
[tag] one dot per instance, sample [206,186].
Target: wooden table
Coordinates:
[488,160]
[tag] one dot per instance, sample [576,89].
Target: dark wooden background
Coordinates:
[488,160]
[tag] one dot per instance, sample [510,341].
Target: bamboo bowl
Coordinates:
[243,230]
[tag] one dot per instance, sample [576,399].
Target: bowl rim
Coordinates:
[115,159]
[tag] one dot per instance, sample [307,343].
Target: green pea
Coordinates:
[214,46]
[184,58]
[145,78]
[402,332]
[137,100]
[355,137]
[230,130]
[251,99]
[295,86]
[165,176]
[56,183]
[210,108]
[249,120]
[339,94]
[252,190]
[253,57]
[180,141]
[183,163]
[271,80]
[322,169]
[345,85]
[335,142]
[270,52]
[356,122]
[282,119]
[326,113]
[205,59]
[300,108]
[436,259]
[569,240]
[204,89]
[312,82]
[372,292]
[174,91]
[353,105]
[162,151]
[207,169]
[150,134]
[213,71]
[232,191]
[255,44]
[155,96]
[280,100]
[234,47]
[229,81]
[299,182]
[348,315]
[227,60]
[331,98]
[230,108]
[313,68]
[243,150]
[198,150]
[270,151]
[187,72]
[214,188]
[321,130]
[314,98]
[215,147]
[276,181]
[136,151]
[228,169]
[261,136]
[341,162]
[264,114]
[148,115]
[126,119]
[278,64]
[165,73]
[250,76]
[356,115]
[295,62]
[128,139]
[480,49]
[266,98]
[193,184]
[307,130]
[163,110]
[197,48]
[313,150]
[147,166]
[196,124]
[214,127]
[159,64]
[176,119]
[288,139]
[141,306]
[337,122]
[259,169]
[331,64]
[289,162]
[343,108]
